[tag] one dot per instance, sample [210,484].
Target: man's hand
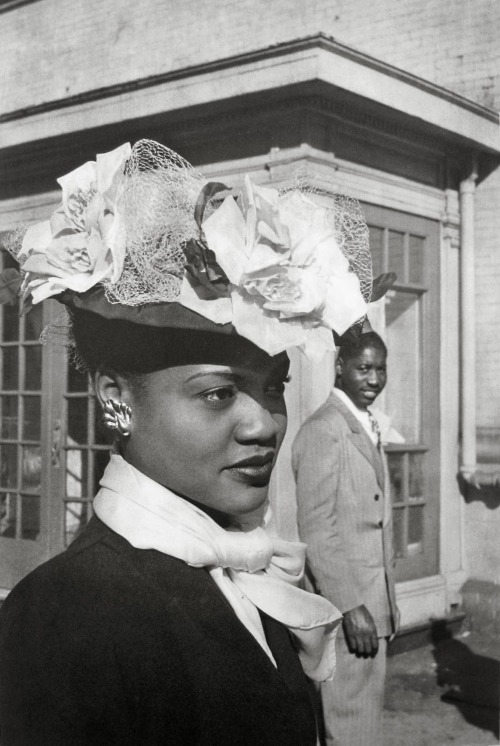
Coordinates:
[360,632]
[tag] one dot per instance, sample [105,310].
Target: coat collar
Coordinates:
[187,591]
[360,438]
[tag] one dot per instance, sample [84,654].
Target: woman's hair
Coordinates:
[354,347]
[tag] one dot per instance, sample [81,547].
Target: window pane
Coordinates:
[76,517]
[30,517]
[8,510]
[398,527]
[416,260]
[404,364]
[32,467]
[415,526]
[32,418]
[33,368]
[397,255]
[33,323]
[77,421]
[9,417]
[416,481]
[77,380]
[76,473]
[396,474]
[10,323]
[10,378]
[377,249]
[8,466]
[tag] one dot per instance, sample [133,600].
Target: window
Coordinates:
[86,451]
[23,499]
[408,319]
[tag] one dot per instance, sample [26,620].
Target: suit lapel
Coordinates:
[361,440]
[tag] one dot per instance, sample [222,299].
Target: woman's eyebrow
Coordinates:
[226,374]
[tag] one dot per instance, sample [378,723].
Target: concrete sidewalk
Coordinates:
[447,692]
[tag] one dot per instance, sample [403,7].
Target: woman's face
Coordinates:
[210,433]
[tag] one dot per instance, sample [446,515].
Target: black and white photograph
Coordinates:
[249,373]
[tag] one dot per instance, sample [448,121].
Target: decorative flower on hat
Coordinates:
[83,243]
[289,284]
[130,237]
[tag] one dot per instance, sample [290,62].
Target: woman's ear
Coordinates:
[114,396]
[110,386]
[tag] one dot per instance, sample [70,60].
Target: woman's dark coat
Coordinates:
[107,644]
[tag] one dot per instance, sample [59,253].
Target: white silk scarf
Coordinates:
[253,567]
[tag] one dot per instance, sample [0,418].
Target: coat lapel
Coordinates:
[361,439]
[168,577]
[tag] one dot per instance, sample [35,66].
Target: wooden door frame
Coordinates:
[412,567]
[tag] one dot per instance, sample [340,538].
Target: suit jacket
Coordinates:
[344,513]
[107,644]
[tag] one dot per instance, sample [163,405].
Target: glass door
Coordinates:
[24,531]
[408,320]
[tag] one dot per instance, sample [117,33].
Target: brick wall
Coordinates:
[53,48]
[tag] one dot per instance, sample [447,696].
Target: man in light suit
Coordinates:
[344,516]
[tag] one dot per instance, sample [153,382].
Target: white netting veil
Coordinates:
[345,217]
[157,206]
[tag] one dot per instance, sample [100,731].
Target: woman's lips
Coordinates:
[256,472]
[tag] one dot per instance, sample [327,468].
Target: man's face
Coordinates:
[363,377]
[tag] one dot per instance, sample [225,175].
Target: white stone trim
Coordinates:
[310,61]
[25,210]
[422,599]
[364,183]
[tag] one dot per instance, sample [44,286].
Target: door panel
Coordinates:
[23,422]
[408,320]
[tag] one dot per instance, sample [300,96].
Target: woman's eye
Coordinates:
[220,395]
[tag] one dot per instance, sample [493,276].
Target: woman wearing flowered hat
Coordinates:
[176,617]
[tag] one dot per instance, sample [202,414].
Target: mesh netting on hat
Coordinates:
[157,207]
[348,223]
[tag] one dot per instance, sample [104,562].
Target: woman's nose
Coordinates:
[257,423]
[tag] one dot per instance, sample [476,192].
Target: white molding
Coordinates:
[310,61]
[21,211]
[335,174]
[278,166]
[451,530]
[422,599]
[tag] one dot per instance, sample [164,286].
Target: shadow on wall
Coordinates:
[472,681]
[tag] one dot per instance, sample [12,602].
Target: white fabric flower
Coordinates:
[84,242]
[290,283]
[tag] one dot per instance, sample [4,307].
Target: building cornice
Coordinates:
[309,60]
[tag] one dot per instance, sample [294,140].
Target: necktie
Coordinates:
[375,427]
